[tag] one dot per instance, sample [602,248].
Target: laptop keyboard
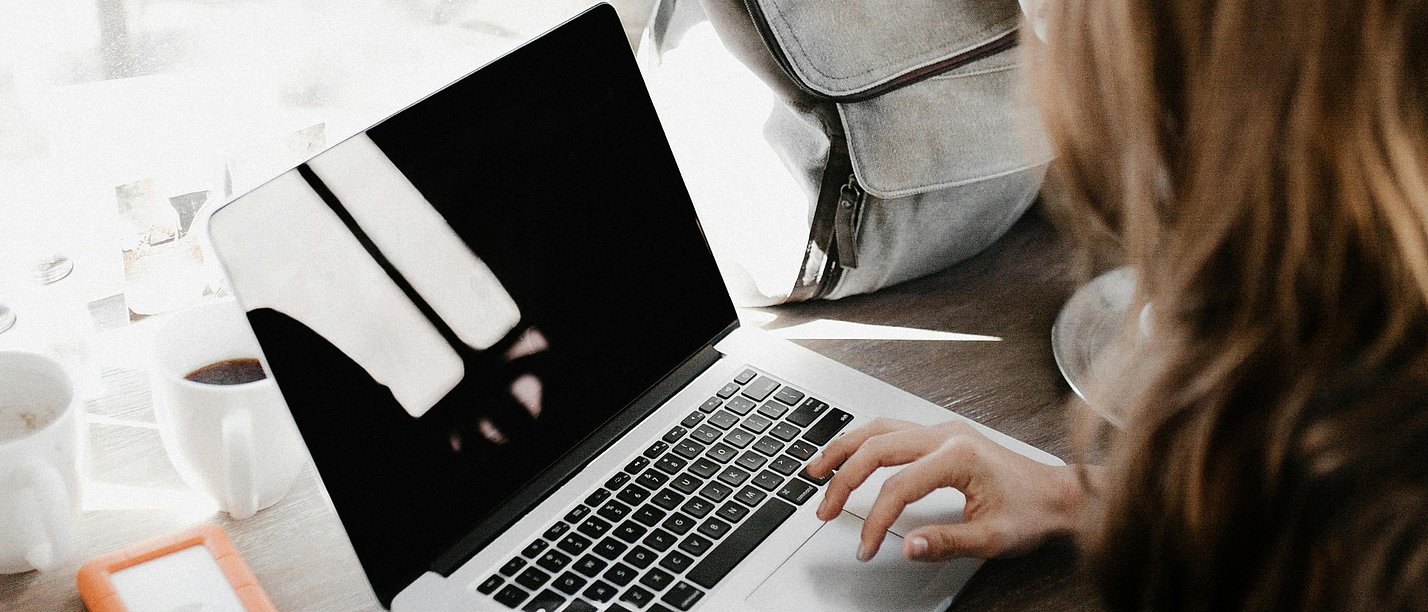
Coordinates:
[681,515]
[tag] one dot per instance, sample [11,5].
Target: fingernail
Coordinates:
[917,546]
[865,552]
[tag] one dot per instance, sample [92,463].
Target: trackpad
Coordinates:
[824,575]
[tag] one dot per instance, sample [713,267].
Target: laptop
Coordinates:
[521,379]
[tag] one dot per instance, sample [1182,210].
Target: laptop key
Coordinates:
[574,544]
[490,585]
[802,450]
[768,446]
[621,574]
[569,583]
[653,479]
[752,461]
[760,388]
[553,561]
[751,495]
[610,548]
[738,438]
[630,531]
[705,433]
[618,480]
[688,449]
[667,499]
[710,404]
[733,512]
[674,434]
[773,410]
[633,495]
[577,513]
[817,481]
[671,463]
[704,468]
[535,548]
[686,484]
[660,540]
[827,427]
[809,411]
[788,395]
[678,523]
[590,565]
[715,491]
[739,405]
[637,596]
[733,476]
[600,592]
[580,605]
[594,527]
[723,419]
[598,496]
[693,419]
[728,391]
[722,453]
[545,601]
[785,465]
[532,578]
[784,431]
[555,531]
[697,507]
[683,596]
[768,480]
[640,557]
[656,449]
[513,566]
[714,528]
[657,579]
[649,515]
[695,544]
[739,543]
[676,561]
[744,377]
[613,511]
[511,596]
[797,491]
[756,423]
[634,466]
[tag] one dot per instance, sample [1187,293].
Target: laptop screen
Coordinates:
[478,283]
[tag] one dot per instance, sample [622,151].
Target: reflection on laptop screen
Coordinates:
[473,286]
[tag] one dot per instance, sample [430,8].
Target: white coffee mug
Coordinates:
[235,442]
[39,473]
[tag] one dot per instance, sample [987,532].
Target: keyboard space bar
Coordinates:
[741,542]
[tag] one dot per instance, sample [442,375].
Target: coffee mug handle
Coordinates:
[46,544]
[239,456]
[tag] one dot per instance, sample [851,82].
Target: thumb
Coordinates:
[941,542]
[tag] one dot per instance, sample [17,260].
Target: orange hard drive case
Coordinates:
[99,594]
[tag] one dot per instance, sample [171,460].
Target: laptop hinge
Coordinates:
[550,480]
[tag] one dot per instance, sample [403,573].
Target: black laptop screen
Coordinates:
[551,166]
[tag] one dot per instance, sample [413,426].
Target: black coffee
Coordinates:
[229,372]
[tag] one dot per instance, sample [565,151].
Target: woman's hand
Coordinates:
[1014,503]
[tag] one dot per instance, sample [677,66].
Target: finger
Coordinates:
[944,467]
[885,450]
[942,542]
[845,445]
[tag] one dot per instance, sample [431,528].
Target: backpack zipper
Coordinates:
[845,222]
[993,47]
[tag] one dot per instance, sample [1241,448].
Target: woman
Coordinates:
[1264,165]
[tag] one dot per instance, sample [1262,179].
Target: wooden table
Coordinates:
[300,554]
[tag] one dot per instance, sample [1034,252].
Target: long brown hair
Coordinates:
[1263,164]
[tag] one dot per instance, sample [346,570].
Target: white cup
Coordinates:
[39,473]
[235,442]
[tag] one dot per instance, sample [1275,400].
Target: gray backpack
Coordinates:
[904,122]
